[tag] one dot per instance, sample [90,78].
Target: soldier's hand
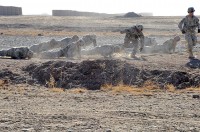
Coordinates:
[141,49]
[198,30]
[183,31]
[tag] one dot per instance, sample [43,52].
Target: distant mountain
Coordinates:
[132,14]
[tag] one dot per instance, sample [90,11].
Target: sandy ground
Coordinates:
[25,108]
[34,108]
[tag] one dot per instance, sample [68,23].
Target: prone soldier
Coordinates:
[168,46]
[17,53]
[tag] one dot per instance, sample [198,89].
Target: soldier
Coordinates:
[53,44]
[134,35]
[67,40]
[73,49]
[17,53]
[188,26]
[168,46]
[87,40]
[104,50]
[70,50]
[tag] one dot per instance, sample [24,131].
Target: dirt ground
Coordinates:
[28,105]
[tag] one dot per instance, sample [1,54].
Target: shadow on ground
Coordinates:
[193,63]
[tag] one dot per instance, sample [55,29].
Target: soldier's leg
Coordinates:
[3,53]
[135,48]
[127,41]
[16,55]
[79,51]
[190,43]
[194,39]
[70,52]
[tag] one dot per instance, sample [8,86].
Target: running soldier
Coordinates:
[188,26]
[134,36]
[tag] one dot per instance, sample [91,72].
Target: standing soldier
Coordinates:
[188,26]
[134,35]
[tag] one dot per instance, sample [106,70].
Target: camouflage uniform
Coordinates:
[87,40]
[188,26]
[17,53]
[134,36]
[53,44]
[70,50]
[104,50]
[169,46]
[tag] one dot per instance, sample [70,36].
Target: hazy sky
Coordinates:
[157,7]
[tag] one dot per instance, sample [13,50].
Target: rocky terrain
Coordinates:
[156,92]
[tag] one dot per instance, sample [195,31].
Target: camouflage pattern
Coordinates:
[149,41]
[88,40]
[167,47]
[53,44]
[17,53]
[70,50]
[70,40]
[74,49]
[50,54]
[191,9]
[134,36]
[188,25]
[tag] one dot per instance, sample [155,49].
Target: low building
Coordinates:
[10,11]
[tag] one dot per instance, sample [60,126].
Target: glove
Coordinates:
[183,31]
[198,30]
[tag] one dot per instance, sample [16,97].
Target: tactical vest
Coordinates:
[190,25]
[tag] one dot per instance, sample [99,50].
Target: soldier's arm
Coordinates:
[180,25]
[198,25]
[125,31]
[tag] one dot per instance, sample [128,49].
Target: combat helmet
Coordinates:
[139,27]
[29,54]
[191,9]
[75,38]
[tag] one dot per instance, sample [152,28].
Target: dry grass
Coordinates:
[147,89]
[57,90]
[190,89]
[126,89]
[170,88]
[77,90]
[2,83]
[51,83]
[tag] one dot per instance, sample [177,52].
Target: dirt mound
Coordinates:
[93,74]
[131,14]
[5,74]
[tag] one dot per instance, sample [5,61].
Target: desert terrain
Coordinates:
[158,92]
